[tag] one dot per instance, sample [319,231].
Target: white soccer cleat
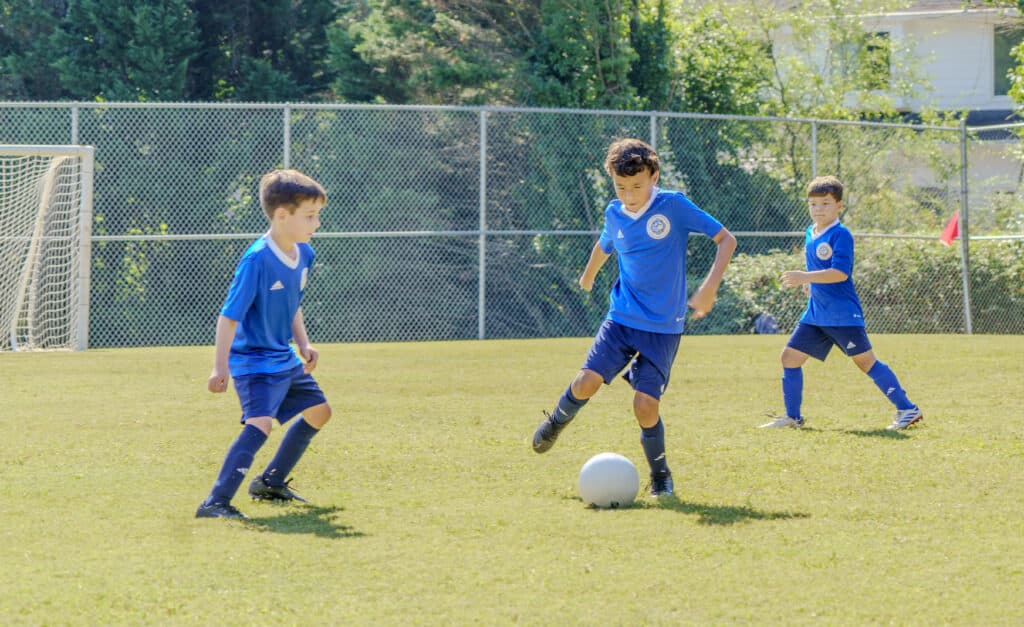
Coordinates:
[783,421]
[905,418]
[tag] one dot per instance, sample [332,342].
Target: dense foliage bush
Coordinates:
[905,286]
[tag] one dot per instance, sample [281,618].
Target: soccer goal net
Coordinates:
[45,226]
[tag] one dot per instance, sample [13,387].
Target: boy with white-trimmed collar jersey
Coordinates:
[834,316]
[648,229]
[260,317]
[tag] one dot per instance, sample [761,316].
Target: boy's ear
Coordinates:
[278,213]
[654,177]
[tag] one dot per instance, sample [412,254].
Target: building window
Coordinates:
[1006,39]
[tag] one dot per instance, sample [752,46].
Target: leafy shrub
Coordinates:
[905,286]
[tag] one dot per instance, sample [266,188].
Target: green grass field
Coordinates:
[431,508]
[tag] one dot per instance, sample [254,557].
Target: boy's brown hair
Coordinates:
[288,189]
[826,186]
[629,157]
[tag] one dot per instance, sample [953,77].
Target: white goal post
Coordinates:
[46,199]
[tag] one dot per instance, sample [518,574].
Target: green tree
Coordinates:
[121,50]
[651,37]
[25,53]
[415,51]
[262,50]
[724,66]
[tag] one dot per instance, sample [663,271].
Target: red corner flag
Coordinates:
[952,230]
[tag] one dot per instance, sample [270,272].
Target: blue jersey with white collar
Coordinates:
[650,293]
[832,304]
[263,298]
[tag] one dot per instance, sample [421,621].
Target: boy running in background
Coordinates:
[260,316]
[833,315]
[648,229]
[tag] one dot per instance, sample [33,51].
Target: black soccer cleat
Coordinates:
[661,485]
[546,434]
[260,490]
[219,510]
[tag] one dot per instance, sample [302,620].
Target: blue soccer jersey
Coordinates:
[832,304]
[650,293]
[263,298]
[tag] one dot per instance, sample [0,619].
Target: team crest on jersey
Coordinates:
[658,226]
[823,251]
[305,275]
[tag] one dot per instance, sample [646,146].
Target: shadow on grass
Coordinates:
[885,434]
[708,514]
[720,514]
[311,519]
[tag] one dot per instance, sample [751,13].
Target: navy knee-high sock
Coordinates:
[886,380]
[293,445]
[653,441]
[236,464]
[567,406]
[793,390]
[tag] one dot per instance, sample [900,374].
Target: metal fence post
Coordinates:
[814,149]
[965,263]
[287,136]
[481,326]
[84,281]
[74,126]
[654,131]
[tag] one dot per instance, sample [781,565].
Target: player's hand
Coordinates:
[701,302]
[309,354]
[586,283]
[218,381]
[793,278]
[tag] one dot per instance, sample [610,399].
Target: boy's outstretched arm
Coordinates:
[306,351]
[703,299]
[597,259]
[218,381]
[794,278]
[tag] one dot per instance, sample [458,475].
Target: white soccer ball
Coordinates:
[609,480]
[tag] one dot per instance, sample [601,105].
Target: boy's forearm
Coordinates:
[726,247]
[597,259]
[225,334]
[299,329]
[829,275]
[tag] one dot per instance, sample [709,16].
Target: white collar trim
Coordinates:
[643,210]
[280,254]
[817,234]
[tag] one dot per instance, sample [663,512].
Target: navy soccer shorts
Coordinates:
[280,395]
[649,356]
[818,341]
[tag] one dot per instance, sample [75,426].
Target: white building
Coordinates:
[961,51]
[964,51]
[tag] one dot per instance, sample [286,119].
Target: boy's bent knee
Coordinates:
[647,409]
[263,423]
[318,415]
[586,384]
[865,361]
[792,358]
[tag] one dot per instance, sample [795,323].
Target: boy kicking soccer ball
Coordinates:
[648,229]
[833,315]
[260,315]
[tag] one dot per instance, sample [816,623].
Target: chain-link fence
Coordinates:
[474,222]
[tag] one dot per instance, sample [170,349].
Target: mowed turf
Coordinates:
[429,506]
